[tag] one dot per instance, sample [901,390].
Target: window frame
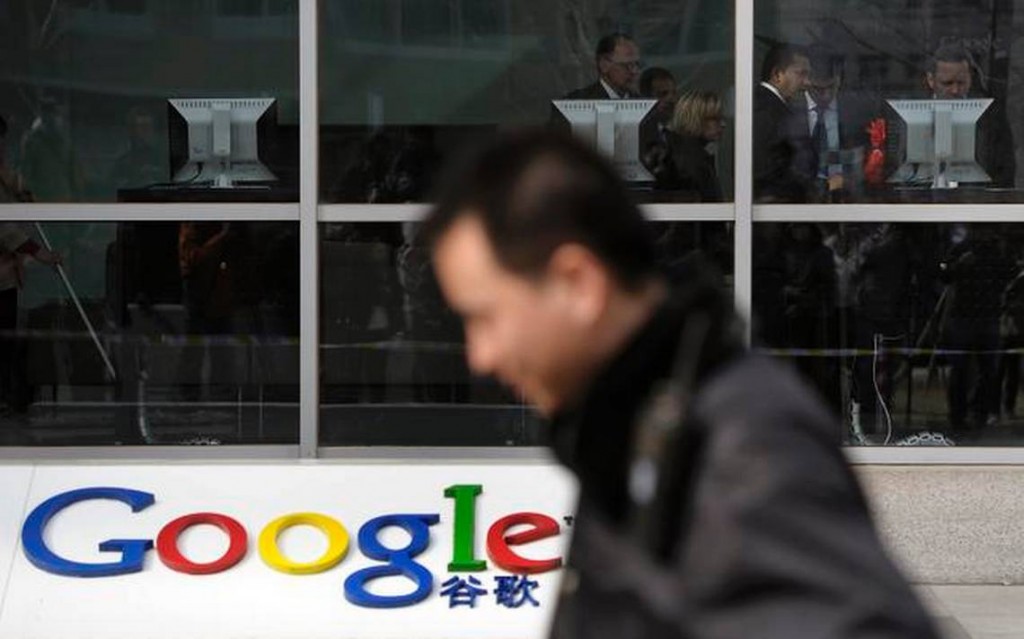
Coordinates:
[310,213]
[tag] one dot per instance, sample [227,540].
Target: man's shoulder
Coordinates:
[754,392]
[593,91]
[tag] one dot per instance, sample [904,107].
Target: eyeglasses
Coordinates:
[631,65]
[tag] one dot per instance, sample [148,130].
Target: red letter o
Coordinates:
[167,544]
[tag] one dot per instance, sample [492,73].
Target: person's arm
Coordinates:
[39,252]
[191,252]
[780,543]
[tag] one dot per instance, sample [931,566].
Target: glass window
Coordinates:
[149,332]
[86,90]
[405,84]
[393,368]
[910,102]
[911,332]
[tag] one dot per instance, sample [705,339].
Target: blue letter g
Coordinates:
[133,551]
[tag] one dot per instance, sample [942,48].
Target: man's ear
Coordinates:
[929,80]
[582,280]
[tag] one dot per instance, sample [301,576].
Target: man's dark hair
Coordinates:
[3,126]
[648,77]
[951,52]
[780,57]
[534,191]
[606,45]
[825,65]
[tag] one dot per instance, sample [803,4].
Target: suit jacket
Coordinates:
[751,525]
[594,91]
[691,168]
[994,147]
[783,159]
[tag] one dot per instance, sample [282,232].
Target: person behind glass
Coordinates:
[1011,340]
[714,502]
[49,164]
[697,121]
[142,163]
[212,265]
[949,77]
[15,248]
[659,84]
[781,171]
[884,294]
[834,122]
[618,69]
[810,297]
[977,268]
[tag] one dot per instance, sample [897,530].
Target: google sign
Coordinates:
[503,535]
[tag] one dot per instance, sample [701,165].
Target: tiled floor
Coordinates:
[977,612]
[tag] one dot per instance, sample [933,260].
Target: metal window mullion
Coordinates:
[415,212]
[140,212]
[889,213]
[744,154]
[309,275]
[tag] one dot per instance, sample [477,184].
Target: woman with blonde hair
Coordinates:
[697,121]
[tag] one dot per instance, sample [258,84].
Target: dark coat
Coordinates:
[781,148]
[693,167]
[743,520]
[593,91]
[994,148]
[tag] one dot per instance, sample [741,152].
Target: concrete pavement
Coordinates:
[976,611]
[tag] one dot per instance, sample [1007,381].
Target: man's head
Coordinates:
[141,128]
[788,69]
[949,73]
[660,84]
[550,265]
[618,62]
[823,82]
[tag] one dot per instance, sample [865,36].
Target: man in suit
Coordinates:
[618,69]
[949,78]
[836,121]
[783,171]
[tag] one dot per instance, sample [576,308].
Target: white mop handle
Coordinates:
[78,305]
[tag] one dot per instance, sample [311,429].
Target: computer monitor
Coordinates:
[220,141]
[613,128]
[939,141]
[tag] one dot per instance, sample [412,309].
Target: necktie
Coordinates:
[820,134]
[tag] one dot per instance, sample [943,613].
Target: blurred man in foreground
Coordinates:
[714,502]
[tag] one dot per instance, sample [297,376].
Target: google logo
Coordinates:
[394,562]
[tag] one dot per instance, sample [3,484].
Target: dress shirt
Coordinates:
[612,94]
[831,114]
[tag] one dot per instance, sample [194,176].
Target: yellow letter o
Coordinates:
[337,543]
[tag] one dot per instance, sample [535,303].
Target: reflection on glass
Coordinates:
[392,361]
[406,85]
[910,332]
[161,333]
[832,122]
[85,90]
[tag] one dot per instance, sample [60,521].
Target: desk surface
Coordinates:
[924,195]
[188,193]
